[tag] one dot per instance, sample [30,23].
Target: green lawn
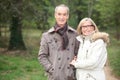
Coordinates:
[20,67]
[23,65]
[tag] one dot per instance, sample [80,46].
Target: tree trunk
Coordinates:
[90,8]
[16,39]
[0,31]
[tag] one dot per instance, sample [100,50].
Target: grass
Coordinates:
[24,65]
[20,67]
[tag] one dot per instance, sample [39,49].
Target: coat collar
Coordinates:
[82,37]
[51,30]
[97,35]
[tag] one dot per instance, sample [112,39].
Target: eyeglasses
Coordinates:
[87,26]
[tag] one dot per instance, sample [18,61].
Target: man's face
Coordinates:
[61,16]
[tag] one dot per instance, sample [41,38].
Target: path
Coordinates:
[109,75]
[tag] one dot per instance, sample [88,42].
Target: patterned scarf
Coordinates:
[62,32]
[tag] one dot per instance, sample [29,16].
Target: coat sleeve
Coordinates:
[97,55]
[76,47]
[44,53]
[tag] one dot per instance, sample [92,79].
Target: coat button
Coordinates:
[72,44]
[52,69]
[55,41]
[68,58]
[59,58]
[59,67]
[68,67]
[68,49]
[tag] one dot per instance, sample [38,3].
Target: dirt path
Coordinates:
[109,75]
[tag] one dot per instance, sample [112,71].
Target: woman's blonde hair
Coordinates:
[81,23]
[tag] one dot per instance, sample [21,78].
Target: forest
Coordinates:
[23,21]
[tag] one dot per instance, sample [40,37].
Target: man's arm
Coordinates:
[44,53]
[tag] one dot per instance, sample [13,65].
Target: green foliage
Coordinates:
[109,14]
[38,13]
[114,56]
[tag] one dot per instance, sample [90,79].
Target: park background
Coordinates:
[23,21]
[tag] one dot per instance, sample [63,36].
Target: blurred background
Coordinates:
[23,21]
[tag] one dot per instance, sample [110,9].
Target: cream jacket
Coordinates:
[92,56]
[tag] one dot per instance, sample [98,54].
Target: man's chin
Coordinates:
[61,25]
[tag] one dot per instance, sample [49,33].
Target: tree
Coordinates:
[109,13]
[16,40]
[16,12]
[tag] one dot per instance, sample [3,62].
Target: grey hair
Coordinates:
[63,6]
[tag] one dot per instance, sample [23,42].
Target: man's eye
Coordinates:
[64,14]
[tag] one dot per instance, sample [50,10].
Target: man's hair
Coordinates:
[63,6]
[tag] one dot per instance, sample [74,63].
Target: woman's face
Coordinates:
[87,28]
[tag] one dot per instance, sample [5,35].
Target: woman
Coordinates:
[92,53]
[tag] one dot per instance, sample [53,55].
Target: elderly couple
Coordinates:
[68,54]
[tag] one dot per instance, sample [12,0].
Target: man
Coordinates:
[58,47]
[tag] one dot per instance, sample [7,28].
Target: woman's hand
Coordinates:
[75,58]
[73,61]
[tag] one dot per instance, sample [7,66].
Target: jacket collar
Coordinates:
[95,36]
[82,37]
[51,30]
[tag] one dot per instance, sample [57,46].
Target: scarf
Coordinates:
[62,32]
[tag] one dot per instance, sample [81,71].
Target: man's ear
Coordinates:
[55,15]
[68,16]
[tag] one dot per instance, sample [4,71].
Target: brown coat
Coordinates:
[54,59]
